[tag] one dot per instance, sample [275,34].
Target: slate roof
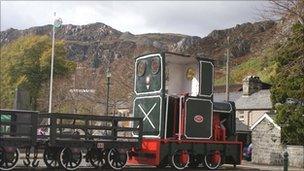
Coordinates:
[233,96]
[269,118]
[240,126]
[236,87]
[256,101]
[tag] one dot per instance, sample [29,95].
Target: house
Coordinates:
[123,108]
[266,141]
[267,146]
[255,124]
[252,100]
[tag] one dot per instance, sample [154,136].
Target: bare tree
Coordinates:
[121,88]
[78,93]
[285,9]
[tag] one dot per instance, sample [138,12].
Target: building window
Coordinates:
[240,115]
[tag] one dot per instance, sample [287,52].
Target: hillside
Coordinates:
[93,46]
[90,43]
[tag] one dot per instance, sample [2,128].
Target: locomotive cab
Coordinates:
[189,97]
[182,75]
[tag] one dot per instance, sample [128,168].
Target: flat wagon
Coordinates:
[105,140]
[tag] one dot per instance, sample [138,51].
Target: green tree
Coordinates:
[26,63]
[289,83]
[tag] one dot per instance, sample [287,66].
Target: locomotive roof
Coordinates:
[184,56]
[172,53]
[177,59]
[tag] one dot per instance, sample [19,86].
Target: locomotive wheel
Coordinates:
[213,160]
[50,157]
[70,159]
[97,157]
[9,159]
[180,159]
[117,159]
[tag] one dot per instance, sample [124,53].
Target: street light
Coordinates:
[227,70]
[57,24]
[108,75]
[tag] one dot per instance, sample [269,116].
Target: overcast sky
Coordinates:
[197,18]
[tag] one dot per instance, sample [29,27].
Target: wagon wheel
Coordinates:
[117,158]
[213,160]
[1,155]
[50,157]
[180,159]
[70,158]
[9,158]
[97,157]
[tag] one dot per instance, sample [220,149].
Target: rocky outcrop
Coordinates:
[186,43]
[244,39]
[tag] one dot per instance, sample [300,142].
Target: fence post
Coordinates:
[285,155]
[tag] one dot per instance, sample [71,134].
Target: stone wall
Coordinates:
[266,142]
[267,147]
[296,155]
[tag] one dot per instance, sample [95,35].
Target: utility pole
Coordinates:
[227,69]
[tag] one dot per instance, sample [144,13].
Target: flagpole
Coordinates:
[52,68]
[57,23]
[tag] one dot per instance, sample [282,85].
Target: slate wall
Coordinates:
[266,142]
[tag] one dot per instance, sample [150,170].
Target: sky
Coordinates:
[195,18]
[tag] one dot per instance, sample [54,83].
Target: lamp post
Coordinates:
[227,70]
[57,24]
[108,75]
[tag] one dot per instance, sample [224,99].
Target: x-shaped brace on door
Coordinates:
[147,114]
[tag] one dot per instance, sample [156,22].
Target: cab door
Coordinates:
[198,118]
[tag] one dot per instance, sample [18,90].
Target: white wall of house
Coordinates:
[249,117]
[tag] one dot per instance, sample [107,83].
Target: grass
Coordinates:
[261,66]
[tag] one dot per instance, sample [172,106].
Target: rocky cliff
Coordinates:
[93,46]
[93,43]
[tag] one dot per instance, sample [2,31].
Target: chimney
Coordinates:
[251,84]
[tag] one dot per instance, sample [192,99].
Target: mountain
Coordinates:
[93,46]
[93,43]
